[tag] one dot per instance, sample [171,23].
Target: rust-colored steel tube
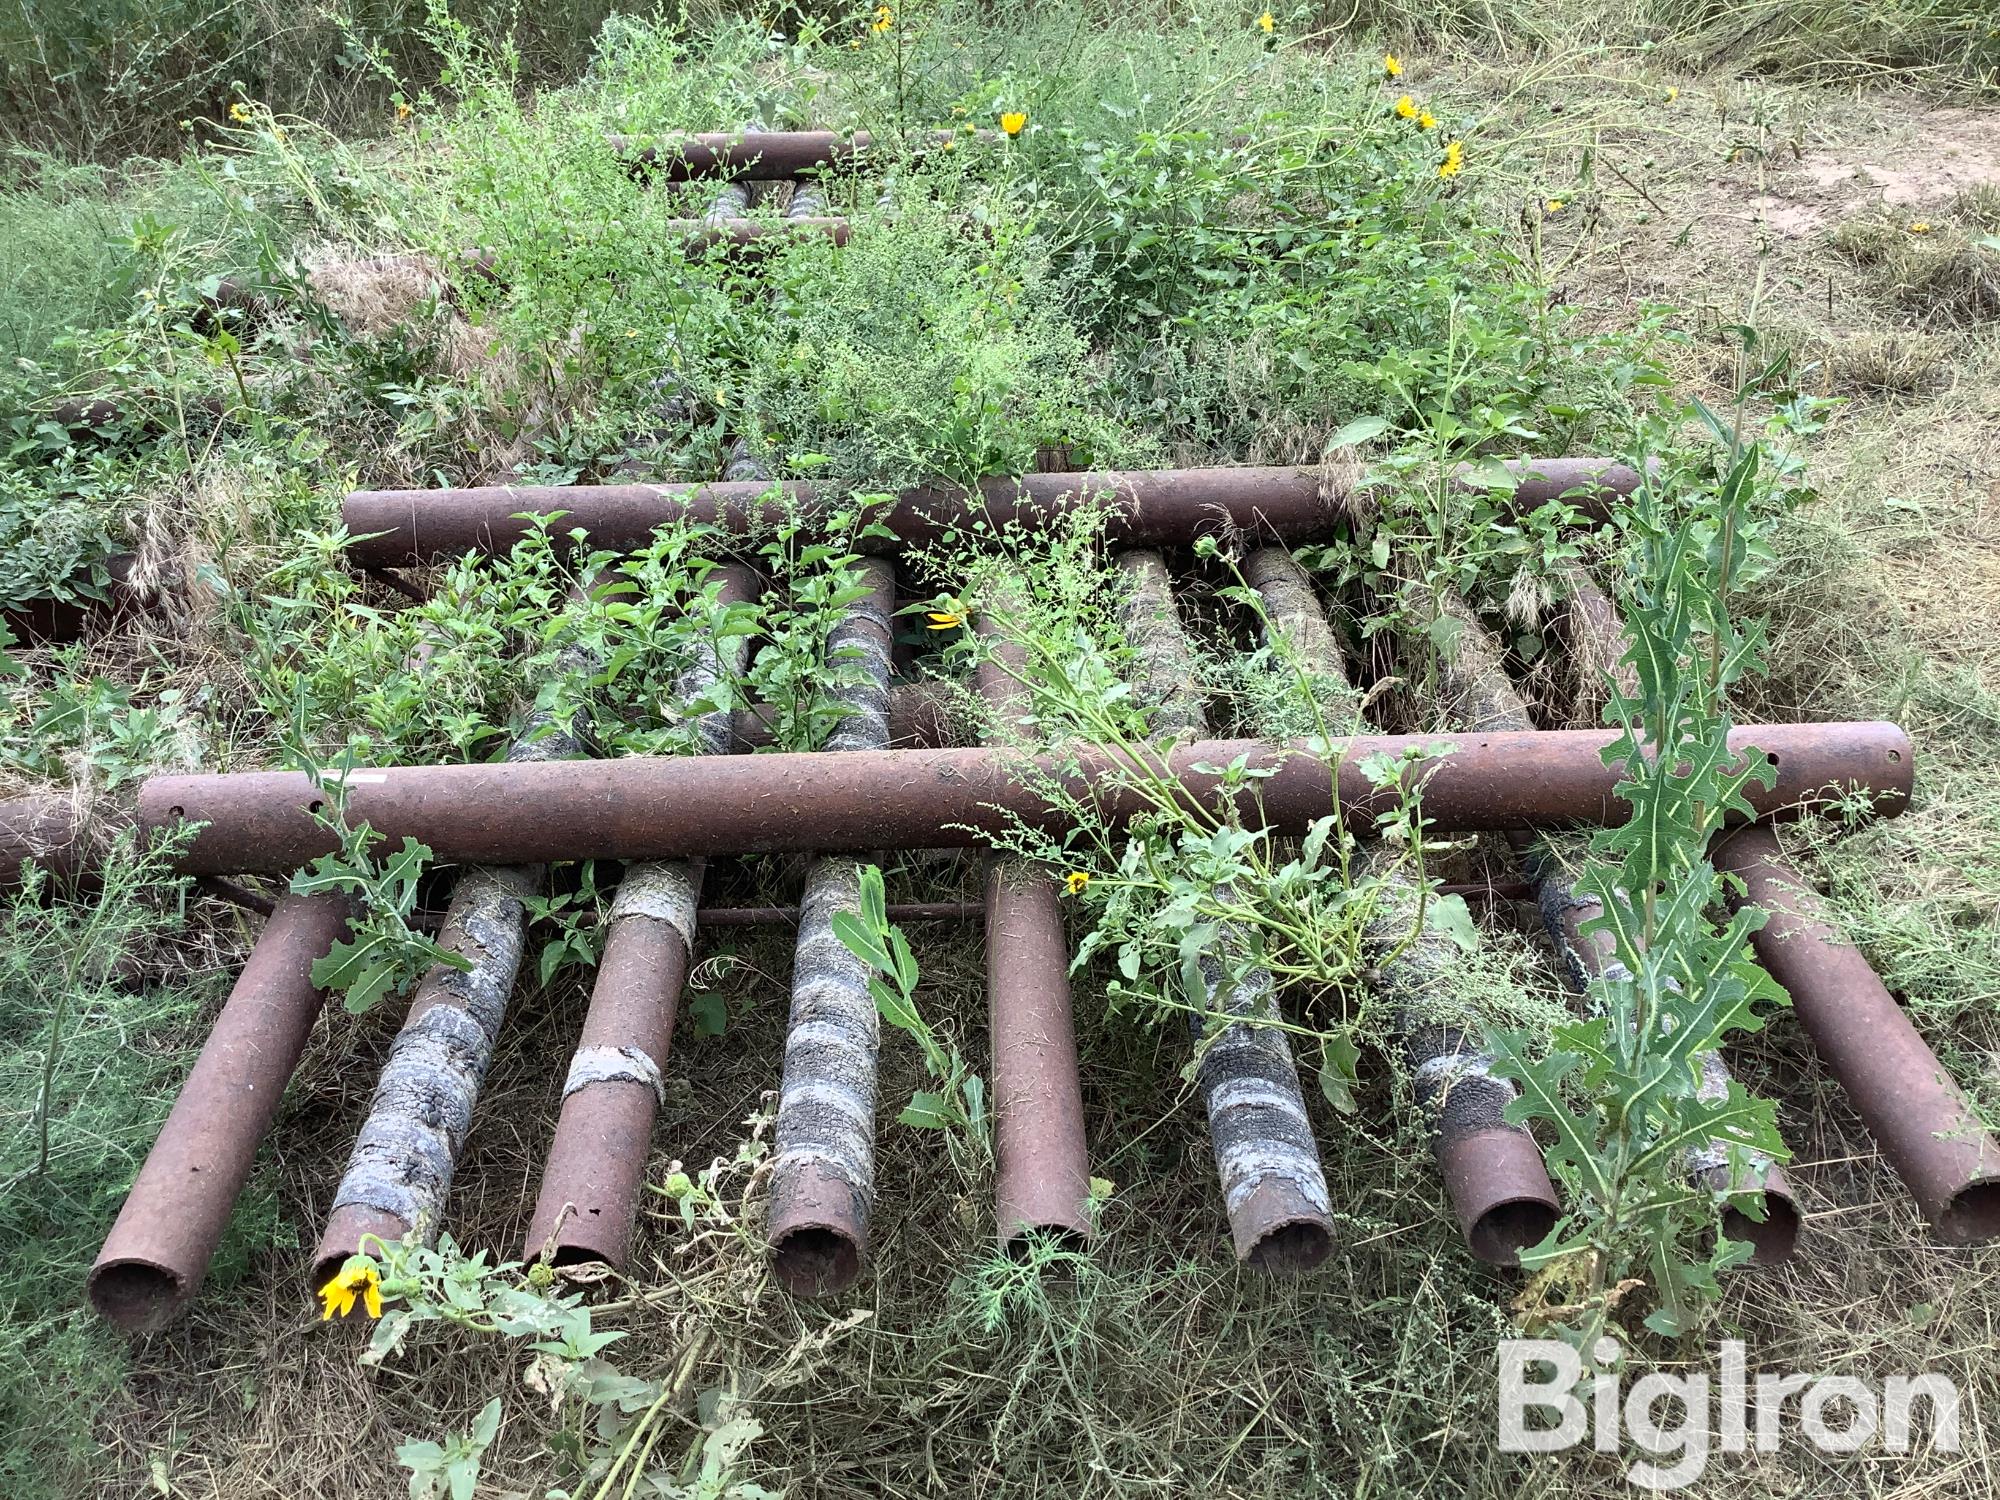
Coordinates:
[1483,695]
[591,1181]
[920,718]
[1266,1157]
[400,1171]
[46,829]
[52,621]
[1585,956]
[158,1252]
[653,807]
[759,154]
[1910,1104]
[823,1139]
[736,153]
[597,1162]
[1145,507]
[1492,1171]
[779,916]
[1041,1179]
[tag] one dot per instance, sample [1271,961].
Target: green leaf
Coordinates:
[1449,916]
[897,1009]
[928,1112]
[711,1014]
[1340,1059]
[1360,430]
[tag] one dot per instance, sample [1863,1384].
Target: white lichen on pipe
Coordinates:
[823,1171]
[613,1065]
[1257,1113]
[403,1161]
[826,1107]
[1265,1155]
[1163,676]
[859,649]
[1451,1073]
[404,1158]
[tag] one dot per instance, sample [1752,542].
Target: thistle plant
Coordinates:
[1618,1089]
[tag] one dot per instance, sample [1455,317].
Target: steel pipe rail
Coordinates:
[1484,697]
[1565,913]
[759,154]
[1041,1173]
[1912,1106]
[920,718]
[596,1164]
[157,1254]
[654,807]
[1266,1158]
[823,1139]
[1915,1110]
[1160,507]
[1493,1173]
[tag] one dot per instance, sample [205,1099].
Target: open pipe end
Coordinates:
[1500,1191]
[352,1230]
[1292,1249]
[1499,1234]
[1282,1228]
[1023,1237]
[139,1296]
[1970,1216]
[1773,1241]
[816,1261]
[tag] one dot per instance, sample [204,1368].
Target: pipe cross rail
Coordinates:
[1156,507]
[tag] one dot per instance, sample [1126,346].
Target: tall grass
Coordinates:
[103,78]
[97,78]
[1949,43]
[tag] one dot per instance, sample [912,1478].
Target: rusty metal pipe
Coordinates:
[50,621]
[759,154]
[1493,1173]
[823,1141]
[779,916]
[654,807]
[1041,1180]
[1910,1104]
[399,1173]
[157,1254]
[46,829]
[920,718]
[1484,695]
[1266,1159]
[1585,956]
[596,1164]
[1145,507]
